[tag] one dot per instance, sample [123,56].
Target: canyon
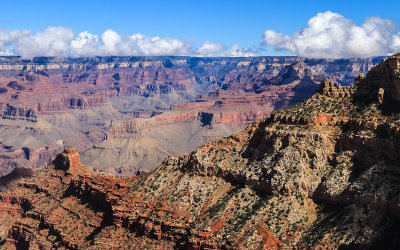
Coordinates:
[320,174]
[126,114]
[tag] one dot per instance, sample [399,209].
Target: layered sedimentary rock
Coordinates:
[320,174]
[44,102]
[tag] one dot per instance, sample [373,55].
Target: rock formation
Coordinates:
[48,104]
[322,173]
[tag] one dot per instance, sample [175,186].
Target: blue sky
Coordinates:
[240,23]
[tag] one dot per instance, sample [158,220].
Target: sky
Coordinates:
[308,28]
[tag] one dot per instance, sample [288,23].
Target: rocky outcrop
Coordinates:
[12,112]
[384,76]
[69,161]
[62,105]
[232,117]
[329,88]
[381,84]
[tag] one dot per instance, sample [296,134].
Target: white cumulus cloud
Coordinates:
[210,48]
[62,41]
[84,44]
[240,52]
[8,38]
[5,52]
[53,41]
[331,35]
[113,44]
[139,44]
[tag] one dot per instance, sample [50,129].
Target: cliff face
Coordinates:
[48,101]
[320,174]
